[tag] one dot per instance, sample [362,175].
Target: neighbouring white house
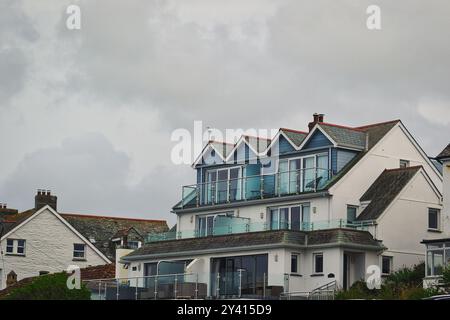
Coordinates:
[438,249]
[299,213]
[42,240]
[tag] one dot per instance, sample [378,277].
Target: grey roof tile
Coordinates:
[384,190]
[445,153]
[252,239]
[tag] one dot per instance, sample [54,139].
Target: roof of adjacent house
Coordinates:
[348,237]
[102,229]
[445,153]
[384,190]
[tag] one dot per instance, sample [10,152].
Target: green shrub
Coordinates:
[49,287]
[404,284]
[446,276]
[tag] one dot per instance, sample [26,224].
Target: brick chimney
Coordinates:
[317,118]
[5,211]
[43,198]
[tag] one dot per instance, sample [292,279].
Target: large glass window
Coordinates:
[438,258]
[230,273]
[294,217]
[205,224]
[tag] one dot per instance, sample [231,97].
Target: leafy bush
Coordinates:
[446,276]
[49,287]
[404,284]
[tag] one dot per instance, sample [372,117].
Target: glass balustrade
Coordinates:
[255,187]
[234,225]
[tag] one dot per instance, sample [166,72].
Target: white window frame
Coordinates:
[84,251]
[289,207]
[391,264]
[316,254]
[301,169]
[15,247]
[296,254]
[216,170]
[438,219]
[206,216]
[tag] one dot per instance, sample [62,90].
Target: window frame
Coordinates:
[391,264]
[297,263]
[75,250]
[15,247]
[288,222]
[315,255]
[403,163]
[438,219]
[206,216]
[352,206]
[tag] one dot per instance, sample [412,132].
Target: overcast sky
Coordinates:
[89,113]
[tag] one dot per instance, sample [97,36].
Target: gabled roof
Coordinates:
[255,239]
[102,229]
[445,153]
[345,136]
[296,137]
[384,190]
[32,214]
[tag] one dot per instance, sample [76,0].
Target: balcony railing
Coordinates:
[255,187]
[260,226]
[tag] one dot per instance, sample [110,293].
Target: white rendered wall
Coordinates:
[49,247]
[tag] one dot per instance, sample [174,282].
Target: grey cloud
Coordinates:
[89,175]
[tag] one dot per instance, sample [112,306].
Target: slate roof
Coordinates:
[11,221]
[375,133]
[253,239]
[295,136]
[102,229]
[384,190]
[445,153]
[345,136]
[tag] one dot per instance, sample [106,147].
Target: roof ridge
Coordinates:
[222,142]
[339,126]
[107,217]
[377,124]
[256,137]
[293,130]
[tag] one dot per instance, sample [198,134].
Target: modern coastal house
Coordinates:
[438,249]
[42,240]
[297,214]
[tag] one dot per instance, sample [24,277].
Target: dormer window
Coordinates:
[404,163]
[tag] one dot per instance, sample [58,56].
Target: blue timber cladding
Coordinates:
[334,165]
[318,140]
[284,145]
[344,157]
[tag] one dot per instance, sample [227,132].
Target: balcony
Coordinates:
[236,226]
[255,187]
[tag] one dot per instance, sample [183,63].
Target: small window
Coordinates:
[433,219]
[15,246]
[404,163]
[133,244]
[351,213]
[294,263]
[79,251]
[9,246]
[386,264]
[318,262]
[20,246]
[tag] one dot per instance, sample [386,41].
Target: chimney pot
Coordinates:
[44,198]
[317,118]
